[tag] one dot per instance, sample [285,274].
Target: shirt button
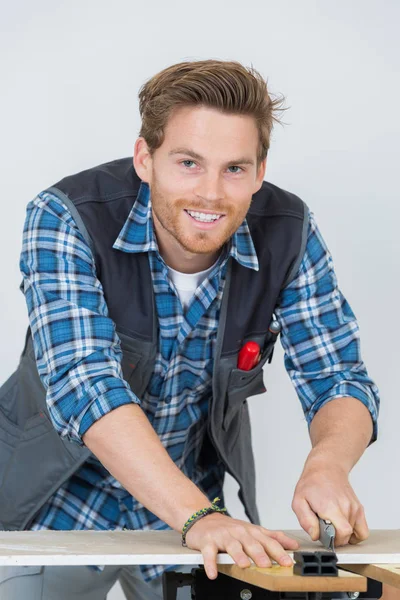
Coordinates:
[167,400]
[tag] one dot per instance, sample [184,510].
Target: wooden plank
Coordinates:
[389,574]
[282,579]
[158,547]
[390,593]
[382,546]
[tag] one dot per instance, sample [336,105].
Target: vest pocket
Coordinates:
[34,462]
[29,446]
[237,396]
[130,361]
[11,423]
[242,385]
[12,437]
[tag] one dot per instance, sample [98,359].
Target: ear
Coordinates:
[142,160]
[260,175]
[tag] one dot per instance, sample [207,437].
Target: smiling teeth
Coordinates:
[206,218]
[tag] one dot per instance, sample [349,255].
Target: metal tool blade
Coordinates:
[327,534]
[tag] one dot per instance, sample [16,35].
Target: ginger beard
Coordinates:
[172,217]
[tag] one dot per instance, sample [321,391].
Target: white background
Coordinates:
[70,74]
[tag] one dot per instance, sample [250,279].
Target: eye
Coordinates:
[183,162]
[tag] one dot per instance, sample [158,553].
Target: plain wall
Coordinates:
[70,74]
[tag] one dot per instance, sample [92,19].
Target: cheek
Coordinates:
[239,196]
[241,207]
[174,186]
[176,200]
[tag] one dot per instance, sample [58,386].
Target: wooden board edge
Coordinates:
[389,574]
[282,579]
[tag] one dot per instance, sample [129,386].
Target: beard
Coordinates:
[172,218]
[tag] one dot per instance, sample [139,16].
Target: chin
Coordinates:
[201,247]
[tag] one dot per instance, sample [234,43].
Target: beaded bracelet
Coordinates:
[199,515]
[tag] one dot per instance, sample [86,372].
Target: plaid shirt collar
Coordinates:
[137,234]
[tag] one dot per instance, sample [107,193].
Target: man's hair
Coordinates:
[227,86]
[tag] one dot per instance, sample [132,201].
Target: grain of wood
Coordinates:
[282,579]
[390,593]
[389,574]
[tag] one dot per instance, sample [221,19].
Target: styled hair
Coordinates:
[227,86]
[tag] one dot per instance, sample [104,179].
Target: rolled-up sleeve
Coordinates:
[77,349]
[320,335]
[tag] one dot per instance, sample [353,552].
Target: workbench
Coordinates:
[362,567]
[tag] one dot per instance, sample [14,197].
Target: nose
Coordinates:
[210,188]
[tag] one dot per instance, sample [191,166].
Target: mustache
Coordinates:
[217,207]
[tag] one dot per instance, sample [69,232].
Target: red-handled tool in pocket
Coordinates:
[248,356]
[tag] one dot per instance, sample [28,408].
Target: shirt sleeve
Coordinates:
[77,350]
[320,335]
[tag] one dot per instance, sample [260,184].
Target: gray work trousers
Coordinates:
[82,583]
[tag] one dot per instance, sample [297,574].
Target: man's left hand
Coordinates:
[326,492]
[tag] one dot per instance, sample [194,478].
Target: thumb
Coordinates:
[307,518]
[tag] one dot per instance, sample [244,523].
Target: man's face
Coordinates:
[202,178]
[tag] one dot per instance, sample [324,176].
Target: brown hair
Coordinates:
[227,86]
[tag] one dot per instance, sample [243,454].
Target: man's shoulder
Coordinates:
[272,200]
[107,181]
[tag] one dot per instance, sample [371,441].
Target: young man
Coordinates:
[144,280]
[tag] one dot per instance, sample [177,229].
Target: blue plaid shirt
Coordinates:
[69,320]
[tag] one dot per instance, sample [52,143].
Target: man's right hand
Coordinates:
[129,448]
[241,540]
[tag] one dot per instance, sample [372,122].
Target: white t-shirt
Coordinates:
[187,283]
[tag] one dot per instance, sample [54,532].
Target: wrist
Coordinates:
[188,511]
[201,514]
[326,459]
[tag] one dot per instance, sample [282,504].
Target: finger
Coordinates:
[235,549]
[343,528]
[360,529]
[252,545]
[209,553]
[353,539]
[276,551]
[286,542]
[307,518]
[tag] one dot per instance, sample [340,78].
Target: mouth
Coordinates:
[204,219]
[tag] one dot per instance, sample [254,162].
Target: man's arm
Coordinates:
[127,445]
[320,337]
[340,432]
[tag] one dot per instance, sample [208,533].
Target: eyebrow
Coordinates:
[241,161]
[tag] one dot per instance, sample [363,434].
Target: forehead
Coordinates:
[210,132]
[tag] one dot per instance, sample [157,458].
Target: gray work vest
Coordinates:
[34,460]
